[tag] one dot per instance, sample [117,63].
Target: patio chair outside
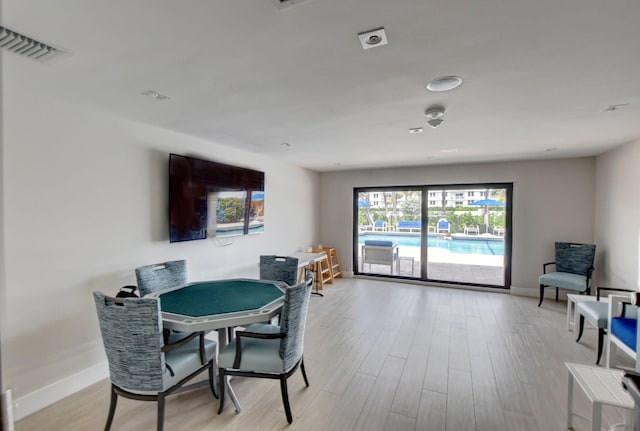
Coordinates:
[443,226]
[380,226]
[472,230]
[597,313]
[409,226]
[376,252]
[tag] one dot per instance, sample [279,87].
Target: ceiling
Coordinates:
[538,75]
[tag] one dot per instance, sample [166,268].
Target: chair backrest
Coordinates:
[574,258]
[380,224]
[132,336]
[293,320]
[379,252]
[409,224]
[443,224]
[152,278]
[279,268]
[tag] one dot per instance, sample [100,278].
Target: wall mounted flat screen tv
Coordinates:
[209,199]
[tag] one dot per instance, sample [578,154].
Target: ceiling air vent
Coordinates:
[25,46]
[285,4]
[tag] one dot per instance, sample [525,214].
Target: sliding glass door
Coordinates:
[452,234]
[388,231]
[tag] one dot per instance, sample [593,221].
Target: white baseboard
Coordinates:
[524,291]
[549,293]
[43,397]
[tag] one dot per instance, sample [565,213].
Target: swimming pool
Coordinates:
[461,246]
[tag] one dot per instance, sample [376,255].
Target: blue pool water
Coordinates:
[461,246]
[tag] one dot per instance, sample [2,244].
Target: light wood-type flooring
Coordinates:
[388,356]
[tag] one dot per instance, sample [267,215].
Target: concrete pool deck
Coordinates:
[446,266]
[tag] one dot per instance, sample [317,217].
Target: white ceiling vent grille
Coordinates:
[285,4]
[25,46]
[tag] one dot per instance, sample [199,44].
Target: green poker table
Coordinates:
[218,304]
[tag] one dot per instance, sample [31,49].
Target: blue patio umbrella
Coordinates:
[363,204]
[257,196]
[488,203]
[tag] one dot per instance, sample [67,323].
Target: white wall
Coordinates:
[617,217]
[553,201]
[85,202]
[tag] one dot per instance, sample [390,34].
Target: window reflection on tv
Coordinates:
[210,199]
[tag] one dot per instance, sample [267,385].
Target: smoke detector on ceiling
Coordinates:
[26,46]
[373,38]
[434,116]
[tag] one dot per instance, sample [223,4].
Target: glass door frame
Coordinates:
[425,189]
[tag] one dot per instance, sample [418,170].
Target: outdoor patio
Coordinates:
[454,272]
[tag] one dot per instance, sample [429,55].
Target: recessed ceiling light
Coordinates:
[444,83]
[285,144]
[373,38]
[155,95]
[449,150]
[416,130]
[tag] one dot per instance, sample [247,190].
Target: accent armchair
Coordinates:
[622,331]
[141,366]
[597,313]
[573,269]
[270,351]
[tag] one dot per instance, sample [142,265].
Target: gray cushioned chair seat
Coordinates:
[596,312]
[564,280]
[257,355]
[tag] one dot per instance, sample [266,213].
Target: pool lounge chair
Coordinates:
[380,226]
[377,252]
[409,226]
[472,230]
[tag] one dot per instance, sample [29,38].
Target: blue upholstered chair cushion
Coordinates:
[378,243]
[596,312]
[565,280]
[626,330]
